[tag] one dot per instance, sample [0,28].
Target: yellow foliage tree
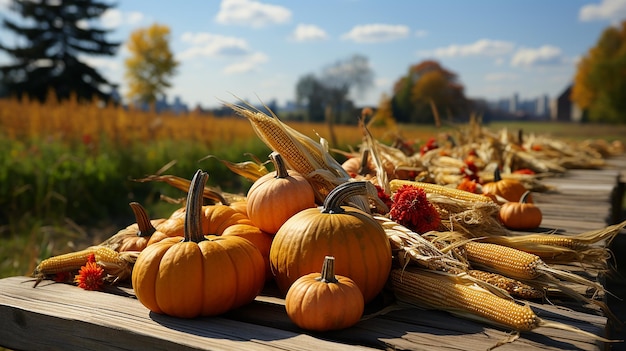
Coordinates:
[600,82]
[151,63]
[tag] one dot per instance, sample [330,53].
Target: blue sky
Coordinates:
[262,48]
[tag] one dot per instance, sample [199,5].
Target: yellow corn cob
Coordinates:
[456,295]
[117,265]
[518,264]
[444,293]
[512,286]
[430,188]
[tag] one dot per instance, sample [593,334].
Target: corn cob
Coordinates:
[449,293]
[518,264]
[430,188]
[115,264]
[512,286]
[300,153]
[456,295]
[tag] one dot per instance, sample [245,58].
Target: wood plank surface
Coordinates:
[63,317]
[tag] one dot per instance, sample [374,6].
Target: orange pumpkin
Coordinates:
[322,302]
[198,276]
[508,189]
[260,239]
[136,236]
[352,236]
[520,215]
[276,196]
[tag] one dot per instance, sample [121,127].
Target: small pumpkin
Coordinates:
[352,236]
[200,275]
[260,239]
[136,236]
[324,301]
[508,189]
[276,196]
[520,215]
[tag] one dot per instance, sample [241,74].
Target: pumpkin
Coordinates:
[136,236]
[171,227]
[352,236]
[508,189]
[324,301]
[260,239]
[200,275]
[520,215]
[276,196]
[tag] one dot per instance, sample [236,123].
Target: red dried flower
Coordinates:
[468,185]
[383,196]
[412,209]
[91,275]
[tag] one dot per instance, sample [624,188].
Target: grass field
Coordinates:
[67,170]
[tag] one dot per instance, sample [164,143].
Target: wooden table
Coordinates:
[64,317]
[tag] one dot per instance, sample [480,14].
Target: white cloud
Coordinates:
[501,76]
[421,33]
[251,13]
[373,33]
[249,64]
[113,18]
[544,55]
[612,10]
[482,47]
[308,32]
[212,45]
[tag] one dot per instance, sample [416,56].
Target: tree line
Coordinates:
[57,35]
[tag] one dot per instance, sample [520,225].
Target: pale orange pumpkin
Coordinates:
[508,189]
[324,301]
[276,196]
[356,240]
[520,215]
[198,276]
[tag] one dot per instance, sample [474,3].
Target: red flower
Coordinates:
[412,209]
[383,196]
[91,275]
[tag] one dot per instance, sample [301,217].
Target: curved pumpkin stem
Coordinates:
[334,199]
[279,165]
[146,228]
[193,217]
[328,271]
[524,197]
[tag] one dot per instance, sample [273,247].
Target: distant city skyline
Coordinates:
[260,49]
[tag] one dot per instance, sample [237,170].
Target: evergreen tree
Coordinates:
[56,32]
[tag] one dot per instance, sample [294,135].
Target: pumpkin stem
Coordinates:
[146,228]
[337,196]
[193,217]
[496,175]
[524,197]
[364,169]
[279,165]
[328,271]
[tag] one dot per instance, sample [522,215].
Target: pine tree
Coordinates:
[56,33]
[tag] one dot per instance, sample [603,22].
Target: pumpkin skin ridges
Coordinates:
[276,196]
[202,275]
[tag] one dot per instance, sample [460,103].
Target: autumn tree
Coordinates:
[600,82]
[426,91]
[57,37]
[151,64]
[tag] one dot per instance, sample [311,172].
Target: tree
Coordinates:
[328,95]
[56,34]
[600,82]
[426,91]
[151,64]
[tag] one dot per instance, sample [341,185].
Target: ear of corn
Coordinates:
[300,152]
[430,188]
[453,294]
[514,287]
[444,292]
[115,264]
